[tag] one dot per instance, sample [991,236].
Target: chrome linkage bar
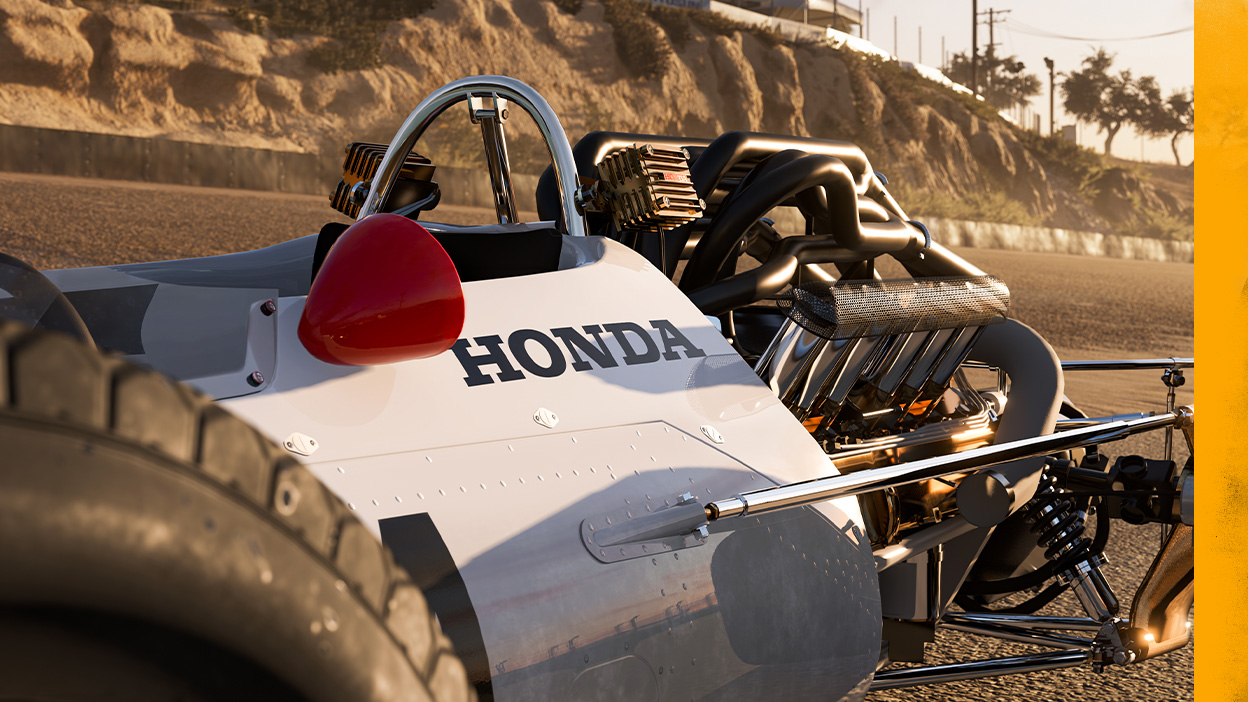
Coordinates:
[1023,628]
[1065,424]
[490,112]
[1025,621]
[1113,364]
[1130,364]
[928,675]
[1019,634]
[823,489]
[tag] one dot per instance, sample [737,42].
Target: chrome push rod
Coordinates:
[928,675]
[1019,634]
[1130,364]
[1026,621]
[822,489]
[1065,424]
[1115,364]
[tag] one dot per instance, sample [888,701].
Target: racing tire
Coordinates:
[149,540]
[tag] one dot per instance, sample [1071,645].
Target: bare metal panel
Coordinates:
[611,392]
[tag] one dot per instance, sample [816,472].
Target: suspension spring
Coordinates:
[1059,526]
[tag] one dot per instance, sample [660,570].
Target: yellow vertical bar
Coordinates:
[1222,347]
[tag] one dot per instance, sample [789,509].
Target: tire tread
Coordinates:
[54,377]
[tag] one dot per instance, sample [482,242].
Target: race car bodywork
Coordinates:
[610,486]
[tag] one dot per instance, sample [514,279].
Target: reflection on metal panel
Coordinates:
[625,678]
[223,340]
[550,613]
[419,549]
[114,315]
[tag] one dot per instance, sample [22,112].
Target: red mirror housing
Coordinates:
[387,292]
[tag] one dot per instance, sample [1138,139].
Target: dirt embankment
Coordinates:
[144,70]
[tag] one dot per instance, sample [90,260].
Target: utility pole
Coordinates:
[992,22]
[994,18]
[944,61]
[895,37]
[860,19]
[920,45]
[868,24]
[975,46]
[1048,62]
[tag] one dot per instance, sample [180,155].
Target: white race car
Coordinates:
[769,480]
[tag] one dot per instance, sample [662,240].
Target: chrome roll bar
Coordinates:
[495,87]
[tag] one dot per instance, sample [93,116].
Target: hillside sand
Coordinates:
[144,70]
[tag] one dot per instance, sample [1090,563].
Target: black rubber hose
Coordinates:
[734,147]
[1031,606]
[764,169]
[938,260]
[812,203]
[1037,387]
[772,276]
[876,191]
[871,211]
[1037,577]
[711,161]
[783,183]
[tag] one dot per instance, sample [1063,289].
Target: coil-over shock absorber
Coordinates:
[1058,526]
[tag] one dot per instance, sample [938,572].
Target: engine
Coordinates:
[869,368]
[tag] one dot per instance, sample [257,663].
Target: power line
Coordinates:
[1035,31]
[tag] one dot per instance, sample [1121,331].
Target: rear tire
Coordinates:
[131,500]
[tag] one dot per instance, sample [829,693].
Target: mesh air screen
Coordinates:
[852,309]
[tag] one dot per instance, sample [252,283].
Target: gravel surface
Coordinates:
[1090,308]
[1086,307]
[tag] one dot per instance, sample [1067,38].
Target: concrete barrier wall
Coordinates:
[991,235]
[1014,237]
[471,187]
[90,155]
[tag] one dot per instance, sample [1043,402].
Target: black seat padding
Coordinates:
[477,256]
[325,239]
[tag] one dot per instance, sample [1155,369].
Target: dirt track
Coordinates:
[1087,307]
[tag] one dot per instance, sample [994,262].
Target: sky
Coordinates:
[1167,58]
